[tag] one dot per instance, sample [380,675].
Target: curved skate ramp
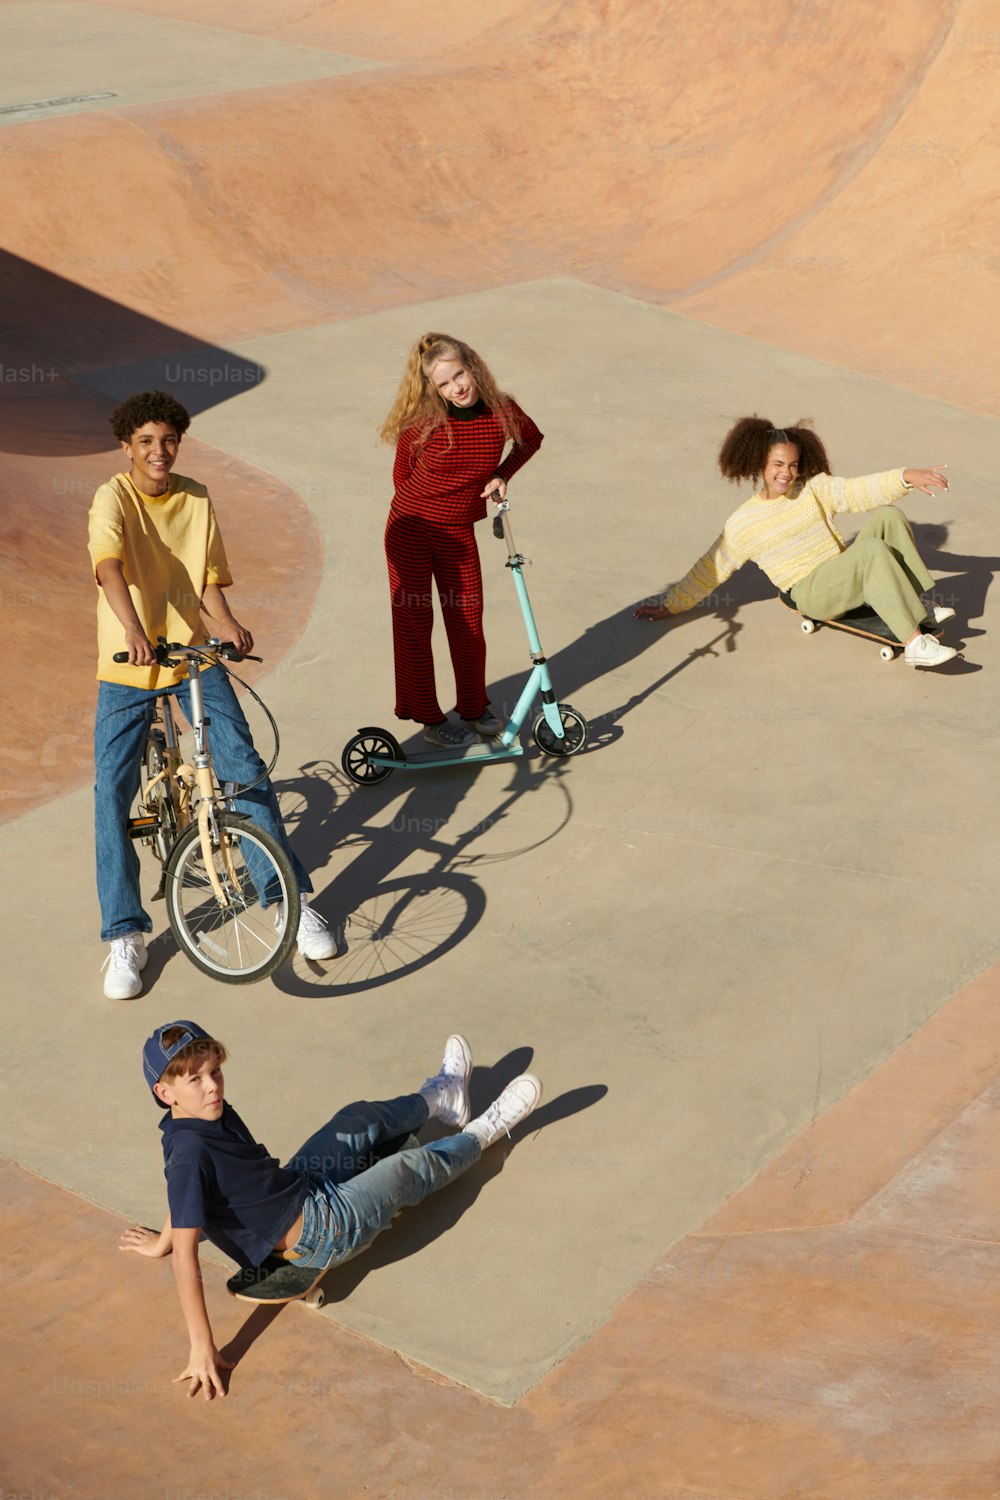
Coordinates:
[710,927]
[796,176]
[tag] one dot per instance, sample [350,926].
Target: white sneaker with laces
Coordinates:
[447,1093]
[509,1108]
[314,937]
[939,613]
[447,737]
[927,651]
[127,957]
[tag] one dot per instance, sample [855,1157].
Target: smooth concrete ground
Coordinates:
[828,1335]
[772,864]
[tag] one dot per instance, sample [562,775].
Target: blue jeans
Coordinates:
[343,1212]
[124,715]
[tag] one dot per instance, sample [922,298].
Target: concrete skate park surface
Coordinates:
[746,1246]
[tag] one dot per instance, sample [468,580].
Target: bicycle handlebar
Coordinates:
[164,652]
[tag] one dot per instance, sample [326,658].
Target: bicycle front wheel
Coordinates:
[240,939]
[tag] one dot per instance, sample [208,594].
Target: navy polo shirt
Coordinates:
[219,1180]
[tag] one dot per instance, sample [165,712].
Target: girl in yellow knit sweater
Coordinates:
[788,530]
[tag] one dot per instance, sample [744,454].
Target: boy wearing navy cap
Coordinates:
[324,1204]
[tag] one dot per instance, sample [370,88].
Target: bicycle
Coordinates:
[232,899]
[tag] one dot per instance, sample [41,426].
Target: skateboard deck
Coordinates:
[277,1280]
[863,621]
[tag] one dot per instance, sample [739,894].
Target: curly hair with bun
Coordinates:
[746,445]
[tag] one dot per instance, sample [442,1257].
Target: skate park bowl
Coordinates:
[747,938]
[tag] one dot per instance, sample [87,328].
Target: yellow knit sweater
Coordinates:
[788,537]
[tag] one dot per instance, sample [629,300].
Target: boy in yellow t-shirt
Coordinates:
[159,561]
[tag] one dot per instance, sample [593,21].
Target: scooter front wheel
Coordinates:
[575,732]
[365,743]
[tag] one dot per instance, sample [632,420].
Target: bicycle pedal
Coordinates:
[141,828]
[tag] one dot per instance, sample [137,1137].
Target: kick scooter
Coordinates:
[373,753]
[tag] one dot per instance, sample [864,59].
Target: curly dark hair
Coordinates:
[748,442]
[148,406]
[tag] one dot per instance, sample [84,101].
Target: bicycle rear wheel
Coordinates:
[243,940]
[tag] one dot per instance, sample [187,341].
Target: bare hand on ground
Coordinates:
[203,1372]
[143,1241]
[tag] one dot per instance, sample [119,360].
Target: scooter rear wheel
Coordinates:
[575,732]
[356,752]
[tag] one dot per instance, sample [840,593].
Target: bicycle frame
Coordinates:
[190,778]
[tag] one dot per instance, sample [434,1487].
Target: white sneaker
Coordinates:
[314,937]
[447,1093]
[127,957]
[447,737]
[927,651]
[939,613]
[513,1105]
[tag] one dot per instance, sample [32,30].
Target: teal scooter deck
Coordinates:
[422,759]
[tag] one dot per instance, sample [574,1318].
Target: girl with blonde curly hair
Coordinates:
[788,530]
[450,423]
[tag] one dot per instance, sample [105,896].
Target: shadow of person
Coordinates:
[387,925]
[403,923]
[619,639]
[246,1336]
[966,589]
[413,1231]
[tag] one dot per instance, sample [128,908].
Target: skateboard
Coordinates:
[276,1280]
[863,621]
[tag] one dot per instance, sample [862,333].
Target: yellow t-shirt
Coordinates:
[170,550]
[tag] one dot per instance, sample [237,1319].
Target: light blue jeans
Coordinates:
[124,715]
[344,1212]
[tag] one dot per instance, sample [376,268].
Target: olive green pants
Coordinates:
[881,568]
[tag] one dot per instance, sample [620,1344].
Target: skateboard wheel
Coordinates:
[887,653]
[315,1298]
[808,627]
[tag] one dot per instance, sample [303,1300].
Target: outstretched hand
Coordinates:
[927,480]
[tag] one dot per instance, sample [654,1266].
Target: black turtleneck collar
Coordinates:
[466,413]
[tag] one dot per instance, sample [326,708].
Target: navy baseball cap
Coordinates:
[157,1056]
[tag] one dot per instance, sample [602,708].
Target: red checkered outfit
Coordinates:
[429,536]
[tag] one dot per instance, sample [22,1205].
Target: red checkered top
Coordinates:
[443,479]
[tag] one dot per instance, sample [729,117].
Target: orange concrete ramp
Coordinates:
[786,1352]
[804,178]
[686,908]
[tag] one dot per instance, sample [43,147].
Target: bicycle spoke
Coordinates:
[239,940]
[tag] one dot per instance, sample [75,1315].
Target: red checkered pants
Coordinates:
[418,552]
